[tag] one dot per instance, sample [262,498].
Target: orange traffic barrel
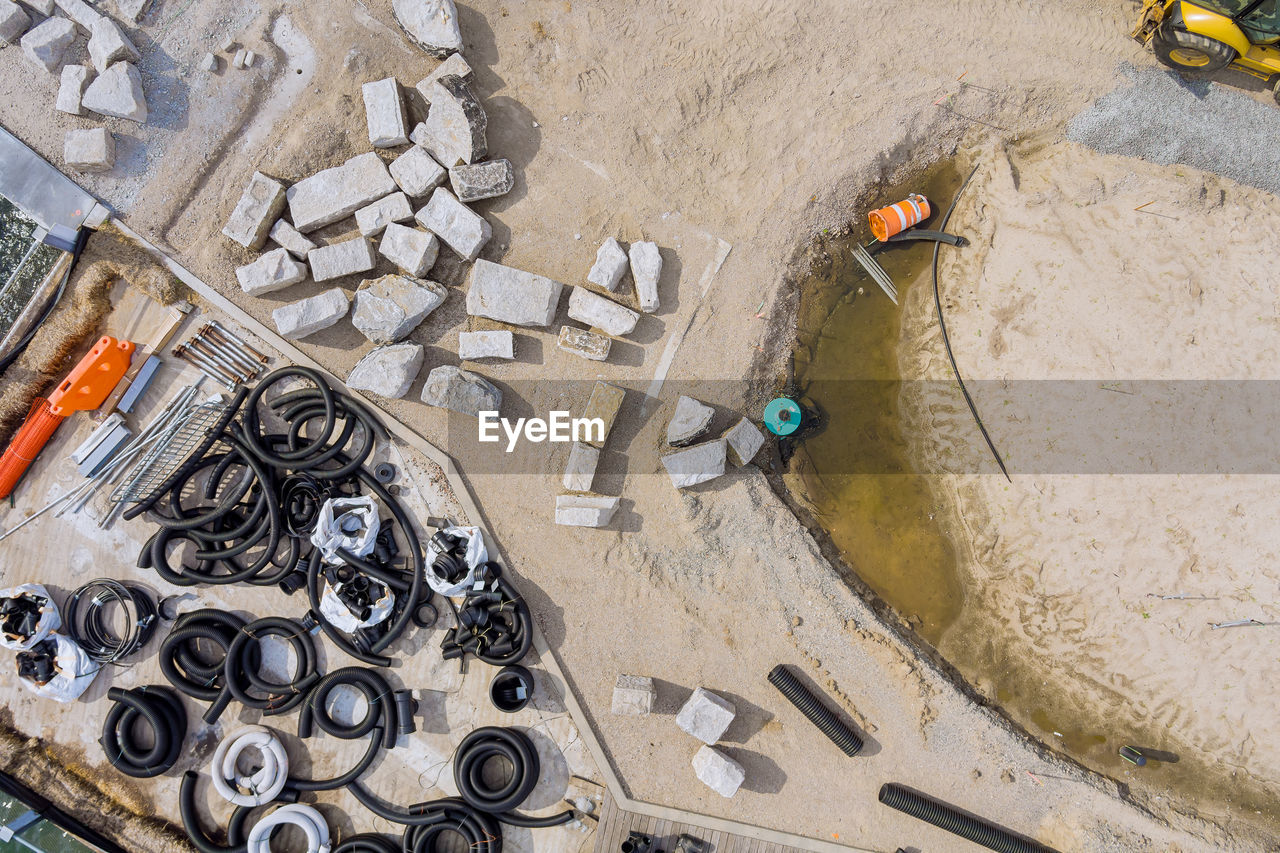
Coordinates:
[896,218]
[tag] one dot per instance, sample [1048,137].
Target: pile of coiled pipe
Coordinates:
[306,818]
[85,623]
[514,748]
[494,625]
[427,822]
[236,834]
[186,661]
[240,667]
[261,786]
[377,694]
[162,712]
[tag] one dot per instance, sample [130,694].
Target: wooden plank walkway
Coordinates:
[616,824]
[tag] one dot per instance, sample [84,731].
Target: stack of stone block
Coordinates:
[696,461]
[582,507]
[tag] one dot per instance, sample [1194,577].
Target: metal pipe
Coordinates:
[202,347]
[231,338]
[238,356]
[210,369]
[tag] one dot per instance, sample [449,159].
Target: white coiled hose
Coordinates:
[259,787]
[300,815]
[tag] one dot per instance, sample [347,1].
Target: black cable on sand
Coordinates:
[946,339]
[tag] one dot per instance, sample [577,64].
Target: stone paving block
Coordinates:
[108,44]
[388,370]
[461,391]
[697,464]
[288,237]
[416,172]
[13,21]
[604,403]
[131,10]
[89,150]
[479,181]
[611,263]
[581,468]
[460,227]
[718,771]
[117,92]
[585,510]
[338,259]
[46,42]
[706,715]
[646,268]
[600,313]
[509,295]
[634,696]
[456,125]
[273,271]
[46,8]
[259,206]
[71,89]
[374,218]
[310,315]
[209,62]
[412,250]
[384,113]
[338,192]
[745,440]
[585,344]
[81,12]
[689,422]
[387,309]
[455,65]
[493,344]
[430,24]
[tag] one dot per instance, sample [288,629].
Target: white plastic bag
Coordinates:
[48,622]
[340,616]
[477,555]
[328,536]
[74,672]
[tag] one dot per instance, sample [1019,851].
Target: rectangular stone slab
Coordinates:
[384,113]
[585,510]
[512,296]
[604,403]
[258,209]
[336,193]
[345,258]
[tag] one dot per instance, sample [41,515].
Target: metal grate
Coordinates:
[186,435]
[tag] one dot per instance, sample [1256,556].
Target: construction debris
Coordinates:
[476,345]
[13,21]
[460,391]
[634,696]
[431,24]
[384,113]
[310,315]
[585,510]
[482,180]
[581,469]
[260,205]
[455,65]
[45,44]
[585,344]
[416,172]
[646,267]
[81,12]
[412,250]
[338,259]
[374,218]
[338,192]
[274,270]
[117,92]
[718,771]
[71,89]
[389,370]
[108,44]
[611,263]
[288,237]
[603,404]
[387,309]
[696,464]
[690,421]
[600,313]
[461,228]
[454,131]
[209,62]
[745,441]
[706,716]
[90,149]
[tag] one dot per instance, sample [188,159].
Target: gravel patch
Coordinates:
[1165,119]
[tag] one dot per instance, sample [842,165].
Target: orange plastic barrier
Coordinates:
[87,386]
[897,218]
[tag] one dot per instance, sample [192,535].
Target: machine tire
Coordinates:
[1275,89]
[1191,53]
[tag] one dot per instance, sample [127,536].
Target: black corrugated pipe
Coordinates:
[368,843]
[236,837]
[163,714]
[346,778]
[819,714]
[952,820]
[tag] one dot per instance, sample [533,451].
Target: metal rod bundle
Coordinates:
[221,356]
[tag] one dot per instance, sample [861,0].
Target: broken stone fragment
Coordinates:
[600,313]
[89,150]
[460,227]
[13,21]
[718,771]
[509,295]
[706,715]
[388,371]
[495,344]
[338,259]
[482,180]
[44,7]
[585,510]
[646,267]
[430,24]
[71,89]
[634,696]
[81,12]
[412,250]
[131,10]
[338,192]
[259,206]
[696,464]
[461,391]
[745,441]
[582,343]
[45,44]
[454,131]
[286,236]
[611,263]
[581,468]
[275,270]
[387,309]
[108,44]
[384,113]
[117,92]
[689,422]
[455,65]
[308,316]
[374,218]
[209,62]
[416,172]
[604,403]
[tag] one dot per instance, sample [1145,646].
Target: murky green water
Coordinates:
[21,269]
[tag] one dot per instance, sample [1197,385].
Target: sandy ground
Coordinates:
[711,127]
[1068,567]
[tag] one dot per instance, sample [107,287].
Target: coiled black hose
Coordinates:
[514,747]
[819,714]
[368,843]
[237,834]
[344,779]
[240,669]
[163,714]
[377,693]
[195,674]
[428,821]
[945,817]
[85,623]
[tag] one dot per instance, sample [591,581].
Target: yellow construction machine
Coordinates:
[1205,36]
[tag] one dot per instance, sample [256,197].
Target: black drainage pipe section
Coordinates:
[966,826]
[819,714]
